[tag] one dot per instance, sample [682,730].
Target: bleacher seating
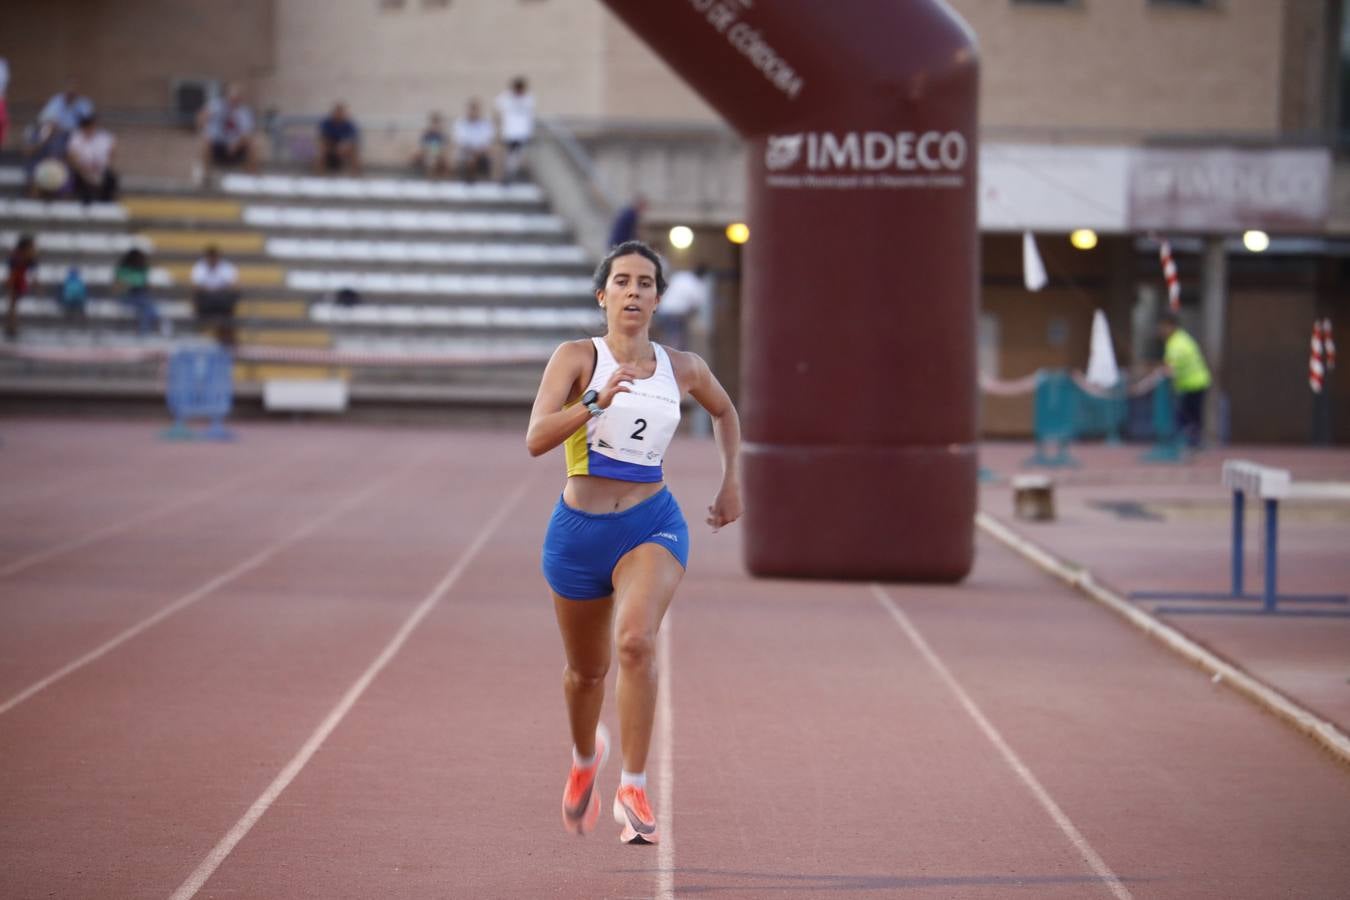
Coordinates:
[464,289]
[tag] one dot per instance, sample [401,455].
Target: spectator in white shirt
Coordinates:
[89,153]
[474,135]
[515,113]
[215,291]
[685,297]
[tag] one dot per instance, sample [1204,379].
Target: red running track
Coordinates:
[322,663]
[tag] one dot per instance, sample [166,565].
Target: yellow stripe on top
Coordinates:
[576,450]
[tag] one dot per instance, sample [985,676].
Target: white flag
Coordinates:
[1033,270]
[1102,370]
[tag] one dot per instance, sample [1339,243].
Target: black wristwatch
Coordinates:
[588,400]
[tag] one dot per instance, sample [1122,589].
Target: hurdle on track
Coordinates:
[1271,486]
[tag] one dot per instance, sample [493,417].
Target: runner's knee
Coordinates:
[637,649]
[585,679]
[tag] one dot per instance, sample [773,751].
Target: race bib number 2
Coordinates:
[633,433]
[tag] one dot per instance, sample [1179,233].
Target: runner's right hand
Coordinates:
[619,382]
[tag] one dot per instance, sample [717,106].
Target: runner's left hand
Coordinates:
[726,506]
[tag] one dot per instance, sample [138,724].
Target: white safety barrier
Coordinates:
[305,395]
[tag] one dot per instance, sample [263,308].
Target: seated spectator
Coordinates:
[89,153]
[73,295]
[474,135]
[46,140]
[22,261]
[430,157]
[228,129]
[64,111]
[132,277]
[215,292]
[339,142]
[515,110]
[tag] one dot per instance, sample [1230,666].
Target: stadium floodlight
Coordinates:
[1083,238]
[738,232]
[1256,241]
[681,236]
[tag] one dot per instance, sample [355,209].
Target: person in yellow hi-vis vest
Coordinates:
[1190,376]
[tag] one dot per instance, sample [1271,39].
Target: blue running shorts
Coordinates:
[581,549]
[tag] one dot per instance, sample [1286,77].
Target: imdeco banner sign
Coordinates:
[1228,190]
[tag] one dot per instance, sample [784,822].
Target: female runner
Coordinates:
[617,544]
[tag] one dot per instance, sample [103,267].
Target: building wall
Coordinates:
[124,53]
[639,85]
[1310,66]
[1268,382]
[398,62]
[1126,66]
[1129,66]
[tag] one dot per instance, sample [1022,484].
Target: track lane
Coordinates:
[152,753]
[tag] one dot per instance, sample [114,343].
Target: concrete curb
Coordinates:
[1323,732]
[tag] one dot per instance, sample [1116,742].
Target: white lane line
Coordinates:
[665,722]
[260,806]
[192,597]
[106,531]
[1075,837]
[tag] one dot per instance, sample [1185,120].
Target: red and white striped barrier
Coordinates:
[1169,268]
[1316,372]
[1328,346]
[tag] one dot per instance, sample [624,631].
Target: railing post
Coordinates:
[1272,526]
[1239,527]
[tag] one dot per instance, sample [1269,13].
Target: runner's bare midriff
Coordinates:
[592,494]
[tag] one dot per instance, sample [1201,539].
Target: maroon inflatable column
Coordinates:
[859,397]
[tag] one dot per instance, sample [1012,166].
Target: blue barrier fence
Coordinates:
[199,385]
[1064,412]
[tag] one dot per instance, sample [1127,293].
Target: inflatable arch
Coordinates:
[859,383]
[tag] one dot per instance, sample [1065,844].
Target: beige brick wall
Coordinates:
[123,53]
[1126,64]
[1122,65]
[402,63]
[637,84]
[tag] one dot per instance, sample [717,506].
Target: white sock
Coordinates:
[636,779]
[583,761]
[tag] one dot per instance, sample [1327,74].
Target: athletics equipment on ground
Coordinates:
[1270,485]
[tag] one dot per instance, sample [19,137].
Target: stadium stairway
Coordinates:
[464,288]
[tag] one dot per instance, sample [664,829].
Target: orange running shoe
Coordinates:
[581,801]
[634,813]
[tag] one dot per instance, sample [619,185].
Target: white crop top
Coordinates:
[629,440]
